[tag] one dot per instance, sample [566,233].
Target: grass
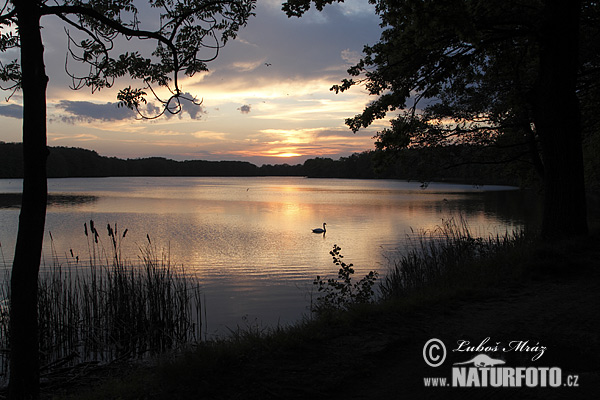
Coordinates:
[436,263]
[449,258]
[445,264]
[110,309]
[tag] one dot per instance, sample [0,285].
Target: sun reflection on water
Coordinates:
[249,240]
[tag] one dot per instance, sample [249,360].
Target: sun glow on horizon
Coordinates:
[265,99]
[286,155]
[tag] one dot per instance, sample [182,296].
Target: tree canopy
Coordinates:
[504,73]
[188,34]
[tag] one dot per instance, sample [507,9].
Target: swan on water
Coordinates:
[319,230]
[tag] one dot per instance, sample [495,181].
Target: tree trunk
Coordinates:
[24,344]
[558,122]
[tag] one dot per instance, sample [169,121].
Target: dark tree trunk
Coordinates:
[24,345]
[557,119]
[534,151]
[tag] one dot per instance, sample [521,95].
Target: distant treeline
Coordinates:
[411,164]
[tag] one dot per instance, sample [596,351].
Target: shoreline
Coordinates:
[377,351]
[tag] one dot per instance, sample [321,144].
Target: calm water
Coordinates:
[249,240]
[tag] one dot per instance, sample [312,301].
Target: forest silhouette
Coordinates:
[413,164]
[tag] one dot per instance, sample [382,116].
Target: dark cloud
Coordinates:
[12,110]
[193,108]
[86,111]
[318,45]
[151,109]
[245,109]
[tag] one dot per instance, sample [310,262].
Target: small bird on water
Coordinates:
[319,230]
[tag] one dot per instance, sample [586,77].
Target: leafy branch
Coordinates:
[342,293]
[185,29]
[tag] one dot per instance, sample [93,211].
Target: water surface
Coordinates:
[249,240]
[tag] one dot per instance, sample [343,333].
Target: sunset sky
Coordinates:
[282,112]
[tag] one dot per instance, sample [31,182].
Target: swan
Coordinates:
[319,230]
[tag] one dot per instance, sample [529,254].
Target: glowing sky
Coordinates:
[266,98]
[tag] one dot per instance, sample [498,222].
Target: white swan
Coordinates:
[319,230]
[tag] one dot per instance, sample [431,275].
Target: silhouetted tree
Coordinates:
[501,73]
[180,28]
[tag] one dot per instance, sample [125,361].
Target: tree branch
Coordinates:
[90,12]
[120,28]
[10,16]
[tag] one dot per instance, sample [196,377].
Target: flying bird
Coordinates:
[268,64]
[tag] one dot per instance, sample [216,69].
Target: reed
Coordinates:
[450,255]
[109,308]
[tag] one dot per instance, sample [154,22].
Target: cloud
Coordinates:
[245,109]
[189,105]
[350,56]
[293,110]
[86,111]
[287,136]
[54,137]
[12,110]
[193,108]
[297,47]
[245,66]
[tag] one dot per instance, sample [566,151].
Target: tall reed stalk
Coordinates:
[110,308]
[435,258]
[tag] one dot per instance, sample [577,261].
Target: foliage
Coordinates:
[188,34]
[342,293]
[461,71]
[489,74]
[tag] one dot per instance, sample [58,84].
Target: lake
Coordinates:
[249,241]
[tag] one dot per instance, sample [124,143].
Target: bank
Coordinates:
[550,298]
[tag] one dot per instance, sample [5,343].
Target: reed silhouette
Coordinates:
[108,308]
